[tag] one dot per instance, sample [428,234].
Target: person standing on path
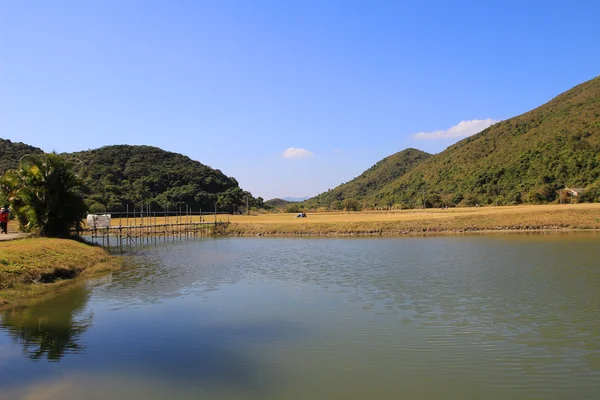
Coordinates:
[4,220]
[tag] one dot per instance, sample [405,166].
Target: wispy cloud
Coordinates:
[337,150]
[295,152]
[460,130]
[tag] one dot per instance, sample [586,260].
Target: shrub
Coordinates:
[44,194]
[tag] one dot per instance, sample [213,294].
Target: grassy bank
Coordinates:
[38,266]
[543,217]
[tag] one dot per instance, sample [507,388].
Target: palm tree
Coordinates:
[43,194]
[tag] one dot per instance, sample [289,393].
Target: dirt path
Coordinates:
[12,236]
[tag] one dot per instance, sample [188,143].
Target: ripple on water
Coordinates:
[490,317]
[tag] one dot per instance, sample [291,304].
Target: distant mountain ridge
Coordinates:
[295,199]
[277,203]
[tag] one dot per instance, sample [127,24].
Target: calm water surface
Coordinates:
[465,317]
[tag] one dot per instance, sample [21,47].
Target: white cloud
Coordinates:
[460,130]
[337,150]
[295,152]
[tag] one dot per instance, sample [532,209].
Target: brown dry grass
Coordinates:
[525,217]
[508,213]
[34,266]
[572,216]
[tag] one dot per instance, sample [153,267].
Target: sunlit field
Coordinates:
[543,212]
[570,216]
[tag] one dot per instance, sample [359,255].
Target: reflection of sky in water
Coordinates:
[485,316]
[8,352]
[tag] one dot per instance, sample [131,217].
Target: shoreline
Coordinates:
[33,269]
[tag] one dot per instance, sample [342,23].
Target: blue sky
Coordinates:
[289,97]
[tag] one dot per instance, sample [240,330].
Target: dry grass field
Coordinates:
[526,217]
[542,212]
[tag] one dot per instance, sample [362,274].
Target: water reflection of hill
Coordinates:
[52,328]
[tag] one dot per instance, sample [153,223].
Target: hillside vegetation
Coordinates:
[372,180]
[525,159]
[11,153]
[115,176]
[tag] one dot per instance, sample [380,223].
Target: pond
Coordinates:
[446,317]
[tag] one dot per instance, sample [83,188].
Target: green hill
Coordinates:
[116,176]
[528,158]
[11,153]
[370,181]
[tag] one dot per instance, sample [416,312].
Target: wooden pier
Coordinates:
[131,228]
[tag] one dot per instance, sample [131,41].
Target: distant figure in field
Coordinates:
[301,215]
[3,220]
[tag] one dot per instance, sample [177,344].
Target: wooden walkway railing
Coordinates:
[128,235]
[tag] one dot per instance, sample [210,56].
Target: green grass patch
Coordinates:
[35,266]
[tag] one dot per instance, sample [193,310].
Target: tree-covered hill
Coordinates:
[370,181]
[277,203]
[11,153]
[528,158]
[121,175]
[117,176]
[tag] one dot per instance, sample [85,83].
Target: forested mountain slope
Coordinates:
[370,181]
[119,175]
[528,158]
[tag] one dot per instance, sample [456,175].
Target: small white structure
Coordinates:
[575,192]
[98,220]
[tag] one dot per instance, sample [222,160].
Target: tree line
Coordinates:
[47,195]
